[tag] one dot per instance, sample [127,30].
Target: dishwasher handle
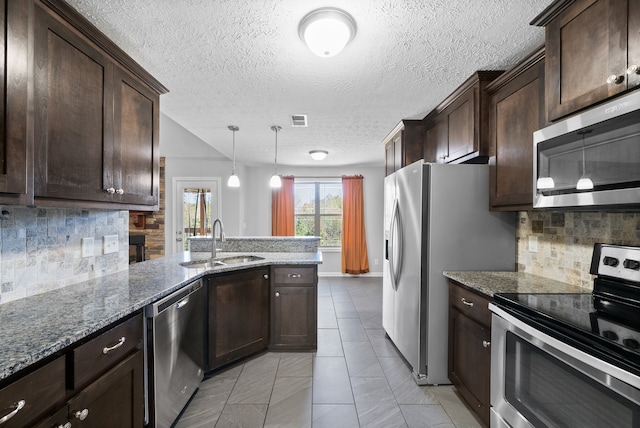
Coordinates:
[182,302]
[176,300]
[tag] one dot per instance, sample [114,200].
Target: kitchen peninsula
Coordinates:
[46,329]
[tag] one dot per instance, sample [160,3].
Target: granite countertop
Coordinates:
[37,327]
[490,283]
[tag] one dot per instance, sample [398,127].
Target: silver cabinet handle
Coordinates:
[633,69]
[19,405]
[486,343]
[294,275]
[614,78]
[82,414]
[120,192]
[108,349]
[265,276]
[110,190]
[277,294]
[67,425]
[467,303]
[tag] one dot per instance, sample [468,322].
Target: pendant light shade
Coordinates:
[326,31]
[233,181]
[545,183]
[275,181]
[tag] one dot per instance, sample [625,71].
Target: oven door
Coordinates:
[539,381]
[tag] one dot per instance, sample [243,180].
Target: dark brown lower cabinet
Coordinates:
[238,320]
[294,308]
[470,348]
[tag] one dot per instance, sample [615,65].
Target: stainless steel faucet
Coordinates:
[213,236]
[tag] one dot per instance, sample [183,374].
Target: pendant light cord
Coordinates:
[275,129]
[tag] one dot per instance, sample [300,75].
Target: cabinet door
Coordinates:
[136,157]
[238,315]
[470,361]
[13,97]
[388,159]
[73,114]
[437,142]
[516,112]
[114,400]
[585,45]
[294,317]
[461,129]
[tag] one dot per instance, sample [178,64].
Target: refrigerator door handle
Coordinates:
[396,242]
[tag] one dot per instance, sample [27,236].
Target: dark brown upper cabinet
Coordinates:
[516,112]
[457,129]
[404,145]
[592,52]
[14,77]
[96,117]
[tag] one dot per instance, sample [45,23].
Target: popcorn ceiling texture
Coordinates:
[242,62]
[565,242]
[40,248]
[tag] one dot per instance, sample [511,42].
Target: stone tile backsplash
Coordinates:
[565,241]
[40,248]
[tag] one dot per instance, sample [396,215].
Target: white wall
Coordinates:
[246,211]
[258,202]
[188,156]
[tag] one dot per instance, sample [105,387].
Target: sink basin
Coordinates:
[212,263]
[199,264]
[239,259]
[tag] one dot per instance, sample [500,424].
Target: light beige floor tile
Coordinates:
[455,408]
[404,387]
[295,365]
[290,405]
[335,416]
[426,416]
[382,345]
[206,406]
[242,416]
[361,360]
[351,330]
[327,318]
[329,343]
[375,404]
[255,383]
[331,383]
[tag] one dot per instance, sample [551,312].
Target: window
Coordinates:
[318,210]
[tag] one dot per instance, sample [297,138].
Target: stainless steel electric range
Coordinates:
[570,360]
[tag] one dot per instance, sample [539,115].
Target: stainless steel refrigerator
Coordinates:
[436,218]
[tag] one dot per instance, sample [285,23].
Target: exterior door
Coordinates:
[197,204]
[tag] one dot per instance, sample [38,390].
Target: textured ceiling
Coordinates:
[230,62]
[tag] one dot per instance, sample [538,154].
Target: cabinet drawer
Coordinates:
[34,394]
[95,357]
[470,304]
[294,275]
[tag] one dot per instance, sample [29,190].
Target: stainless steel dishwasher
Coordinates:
[176,328]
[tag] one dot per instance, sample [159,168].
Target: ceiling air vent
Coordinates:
[299,120]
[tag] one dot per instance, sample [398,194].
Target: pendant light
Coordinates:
[234,181]
[585,182]
[275,181]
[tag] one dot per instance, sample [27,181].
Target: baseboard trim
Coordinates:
[348,275]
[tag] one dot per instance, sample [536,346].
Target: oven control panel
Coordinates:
[616,261]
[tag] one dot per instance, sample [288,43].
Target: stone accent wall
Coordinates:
[565,241]
[154,223]
[40,248]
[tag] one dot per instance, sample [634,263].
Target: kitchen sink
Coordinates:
[212,263]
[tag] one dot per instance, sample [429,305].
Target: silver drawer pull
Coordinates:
[466,302]
[108,349]
[294,275]
[82,414]
[67,425]
[277,294]
[19,405]
[486,343]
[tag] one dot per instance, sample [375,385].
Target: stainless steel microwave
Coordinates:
[591,159]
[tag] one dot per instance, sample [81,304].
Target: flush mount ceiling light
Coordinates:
[234,181]
[275,181]
[318,154]
[327,30]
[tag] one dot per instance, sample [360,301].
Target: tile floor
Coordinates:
[355,379]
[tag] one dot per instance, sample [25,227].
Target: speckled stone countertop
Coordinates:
[490,283]
[36,327]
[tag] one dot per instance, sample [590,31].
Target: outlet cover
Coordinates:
[109,244]
[87,247]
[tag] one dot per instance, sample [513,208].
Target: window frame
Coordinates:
[317,215]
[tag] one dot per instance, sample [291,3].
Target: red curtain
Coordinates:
[282,209]
[354,242]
